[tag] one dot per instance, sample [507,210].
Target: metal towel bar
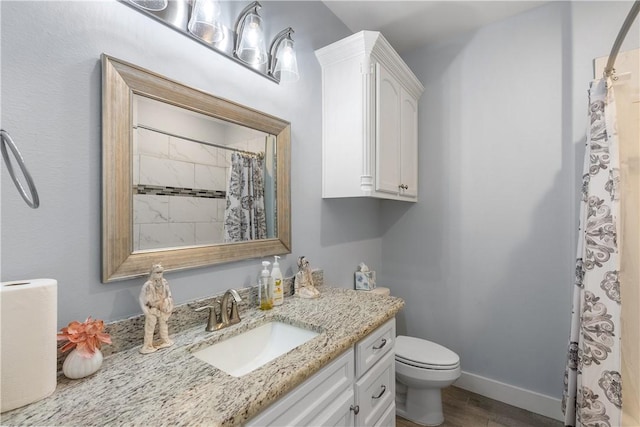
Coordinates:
[5,140]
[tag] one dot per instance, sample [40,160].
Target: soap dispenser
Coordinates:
[276,279]
[265,294]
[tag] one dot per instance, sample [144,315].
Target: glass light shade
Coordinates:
[152,5]
[286,69]
[204,22]
[252,48]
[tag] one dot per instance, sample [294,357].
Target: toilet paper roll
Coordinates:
[28,327]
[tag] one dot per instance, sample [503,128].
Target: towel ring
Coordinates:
[5,140]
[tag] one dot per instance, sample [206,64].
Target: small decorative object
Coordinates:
[85,339]
[157,305]
[303,285]
[365,279]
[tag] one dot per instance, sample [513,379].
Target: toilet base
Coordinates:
[421,406]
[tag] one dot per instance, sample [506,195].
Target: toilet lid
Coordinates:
[423,353]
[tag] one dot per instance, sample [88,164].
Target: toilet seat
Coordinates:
[426,365]
[425,354]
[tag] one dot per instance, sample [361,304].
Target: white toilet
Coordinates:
[423,369]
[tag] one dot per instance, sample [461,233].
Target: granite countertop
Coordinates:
[171,387]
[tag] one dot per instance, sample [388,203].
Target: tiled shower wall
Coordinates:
[162,220]
[185,185]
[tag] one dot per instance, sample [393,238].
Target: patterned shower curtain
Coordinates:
[593,387]
[244,216]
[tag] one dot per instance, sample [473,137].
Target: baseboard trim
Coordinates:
[511,395]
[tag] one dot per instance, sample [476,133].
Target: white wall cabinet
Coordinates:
[356,389]
[369,120]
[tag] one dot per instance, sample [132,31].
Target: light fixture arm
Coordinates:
[282,35]
[239,27]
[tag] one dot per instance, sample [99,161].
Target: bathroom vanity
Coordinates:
[340,371]
[358,388]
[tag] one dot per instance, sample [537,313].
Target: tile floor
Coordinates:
[466,409]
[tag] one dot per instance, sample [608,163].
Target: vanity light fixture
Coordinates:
[283,64]
[250,46]
[244,42]
[204,22]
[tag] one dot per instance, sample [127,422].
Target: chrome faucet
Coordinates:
[220,314]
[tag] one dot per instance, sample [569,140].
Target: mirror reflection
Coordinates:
[198,180]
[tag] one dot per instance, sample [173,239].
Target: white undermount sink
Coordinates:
[254,348]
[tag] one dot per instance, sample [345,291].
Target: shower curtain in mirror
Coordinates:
[593,388]
[244,216]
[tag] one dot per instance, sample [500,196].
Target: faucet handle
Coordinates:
[215,317]
[233,317]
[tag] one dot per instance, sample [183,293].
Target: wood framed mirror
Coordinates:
[129,143]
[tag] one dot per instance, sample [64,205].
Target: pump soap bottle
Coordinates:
[265,294]
[276,278]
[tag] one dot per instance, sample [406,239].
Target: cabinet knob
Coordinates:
[403,187]
[355,409]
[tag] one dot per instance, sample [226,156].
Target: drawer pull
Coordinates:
[384,342]
[355,409]
[384,388]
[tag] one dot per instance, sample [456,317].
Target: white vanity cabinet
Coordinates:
[369,120]
[356,389]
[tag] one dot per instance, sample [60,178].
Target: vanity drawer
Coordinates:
[373,347]
[388,418]
[309,399]
[376,391]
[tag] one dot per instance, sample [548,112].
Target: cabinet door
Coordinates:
[387,131]
[339,413]
[408,145]
[311,398]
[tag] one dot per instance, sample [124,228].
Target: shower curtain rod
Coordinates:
[633,13]
[248,153]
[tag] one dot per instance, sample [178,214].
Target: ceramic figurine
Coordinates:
[157,305]
[304,287]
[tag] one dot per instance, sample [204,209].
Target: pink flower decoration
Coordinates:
[86,336]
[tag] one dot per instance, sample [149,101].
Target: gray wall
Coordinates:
[51,106]
[485,260]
